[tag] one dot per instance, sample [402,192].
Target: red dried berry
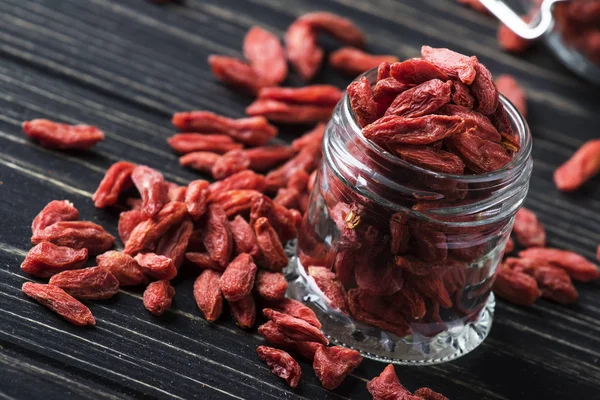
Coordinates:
[207,294]
[238,279]
[77,235]
[245,180]
[339,27]
[316,95]
[333,289]
[203,261]
[244,312]
[281,364]
[47,259]
[576,266]
[484,90]
[295,309]
[273,255]
[387,386]
[582,166]
[152,187]
[116,179]
[279,111]
[510,41]
[123,267]
[510,88]
[236,73]
[205,144]
[270,286]
[60,302]
[158,297]
[352,61]
[243,237]
[174,243]
[516,286]
[55,211]
[420,100]
[265,158]
[54,135]
[296,328]
[528,229]
[128,220]
[230,163]
[310,138]
[362,101]
[456,65]
[196,198]
[155,266]
[428,394]
[302,50]
[90,283]
[333,364]
[416,71]
[266,56]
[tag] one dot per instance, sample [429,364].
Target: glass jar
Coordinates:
[414,252]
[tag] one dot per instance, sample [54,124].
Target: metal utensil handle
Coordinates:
[513,21]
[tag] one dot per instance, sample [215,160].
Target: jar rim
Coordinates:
[518,161]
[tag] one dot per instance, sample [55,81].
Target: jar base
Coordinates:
[416,349]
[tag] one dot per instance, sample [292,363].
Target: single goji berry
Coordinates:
[128,220]
[400,233]
[153,189]
[576,266]
[270,285]
[528,229]
[510,88]
[244,312]
[484,90]
[158,297]
[155,266]
[416,71]
[235,202]
[316,95]
[54,135]
[47,259]
[217,235]
[272,334]
[174,243]
[207,294]
[475,122]
[253,131]
[582,166]
[264,158]
[393,129]
[516,286]
[89,283]
[123,267]
[302,50]
[243,237]
[510,41]
[60,302]
[296,328]
[333,364]
[236,73]
[431,159]
[116,179]
[146,234]
[196,198]
[423,99]
[238,279]
[295,309]
[230,163]
[53,212]
[240,181]
[457,66]
[334,291]
[387,386]
[77,235]
[273,255]
[428,394]
[266,56]
[203,143]
[339,27]
[202,161]
[281,364]
[282,112]
[362,101]
[352,61]
[479,155]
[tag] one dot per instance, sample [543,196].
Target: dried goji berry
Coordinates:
[217,235]
[528,229]
[146,234]
[484,90]
[158,297]
[128,220]
[203,261]
[243,237]
[317,95]
[244,312]
[123,267]
[334,291]
[554,282]
[339,27]
[461,95]
[582,166]
[266,157]
[279,111]
[201,142]
[431,159]
[60,302]
[77,235]
[230,163]
[235,202]
[510,88]
[353,61]
[423,99]
[393,129]
[155,266]
[116,179]
[311,137]
[253,131]
[416,71]
[207,294]
[196,198]
[53,212]
[400,233]
[47,259]
[270,285]
[457,66]
[478,154]
[89,283]
[288,198]
[273,255]
[236,73]
[510,41]
[333,364]
[266,56]
[296,328]
[202,161]
[281,364]
[238,279]
[174,243]
[362,101]
[153,189]
[576,266]
[302,50]
[240,181]
[475,122]
[54,135]
[385,91]
[283,221]
[516,286]
[272,334]
[387,386]
[428,394]
[295,309]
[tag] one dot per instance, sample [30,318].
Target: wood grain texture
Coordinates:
[126,66]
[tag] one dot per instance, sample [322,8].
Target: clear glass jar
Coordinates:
[416,251]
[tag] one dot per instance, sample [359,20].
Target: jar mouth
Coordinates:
[516,163]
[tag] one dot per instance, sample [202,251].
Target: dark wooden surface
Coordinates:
[126,66]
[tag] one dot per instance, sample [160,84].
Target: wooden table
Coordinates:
[126,66]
